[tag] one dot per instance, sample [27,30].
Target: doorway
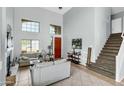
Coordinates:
[57,47]
[56,40]
[117,26]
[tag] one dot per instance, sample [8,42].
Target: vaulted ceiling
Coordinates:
[57,10]
[66,9]
[117,9]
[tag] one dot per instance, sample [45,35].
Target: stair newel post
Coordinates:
[89,56]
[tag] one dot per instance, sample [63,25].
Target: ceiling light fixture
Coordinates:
[60,8]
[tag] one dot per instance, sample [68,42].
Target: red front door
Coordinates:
[57,47]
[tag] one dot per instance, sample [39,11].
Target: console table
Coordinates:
[74,57]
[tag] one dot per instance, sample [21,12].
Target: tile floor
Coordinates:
[80,76]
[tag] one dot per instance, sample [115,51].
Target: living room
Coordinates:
[42,40]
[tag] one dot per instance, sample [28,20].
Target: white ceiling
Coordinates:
[117,9]
[66,9]
[57,10]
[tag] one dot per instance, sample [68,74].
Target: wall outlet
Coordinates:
[0,65]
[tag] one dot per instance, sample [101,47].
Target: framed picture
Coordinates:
[77,43]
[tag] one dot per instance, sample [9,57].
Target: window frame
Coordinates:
[30,45]
[26,20]
[57,26]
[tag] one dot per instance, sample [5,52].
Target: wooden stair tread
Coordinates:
[106,57]
[113,38]
[112,45]
[110,42]
[108,54]
[105,61]
[109,51]
[104,67]
[116,34]
[102,71]
[113,48]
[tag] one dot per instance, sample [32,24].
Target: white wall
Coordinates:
[10,21]
[0,44]
[3,44]
[90,24]
[43,16]
[79,23]
[6,17]
[0,29]
[102,28]
[10,16]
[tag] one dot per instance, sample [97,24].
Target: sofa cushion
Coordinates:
[33,59]
[24,58]
[59,61]
[31,55]
[44,64]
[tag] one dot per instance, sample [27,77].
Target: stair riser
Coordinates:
[112,45]
[109,63]
[118,36]
[109,49]
[106,61]
[116,41]
[112,71]
[111,52]
[113,38]
[112,48]
[115,35]
[108,74]
[113,42]
[108,66]
[107,69]
[107,58]
[106,54]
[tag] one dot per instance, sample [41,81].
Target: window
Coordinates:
[30,26]
[55,29]
[29,46]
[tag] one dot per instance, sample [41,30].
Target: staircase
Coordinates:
[105,63]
